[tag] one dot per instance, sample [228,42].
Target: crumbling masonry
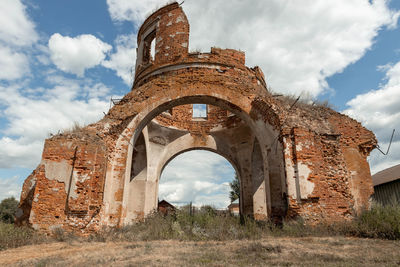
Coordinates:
[292,159]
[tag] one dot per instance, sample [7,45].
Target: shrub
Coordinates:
[8,208]
[12,236]
[378,222]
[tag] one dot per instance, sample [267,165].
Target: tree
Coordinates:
[8,208]
[235,189]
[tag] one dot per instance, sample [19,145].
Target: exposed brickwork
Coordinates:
[181,117]
[292,159]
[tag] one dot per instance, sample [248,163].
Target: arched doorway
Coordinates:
[200,177]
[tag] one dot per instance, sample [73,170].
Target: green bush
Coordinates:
[378,222]
[8,208]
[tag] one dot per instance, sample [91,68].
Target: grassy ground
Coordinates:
[206,238]
[279,251]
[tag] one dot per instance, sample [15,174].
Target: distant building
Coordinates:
[165,207]
[234,207]
[387,185]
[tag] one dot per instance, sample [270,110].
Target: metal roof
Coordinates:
[386,176]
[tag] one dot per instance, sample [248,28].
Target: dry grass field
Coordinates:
[277,251]
[208,239]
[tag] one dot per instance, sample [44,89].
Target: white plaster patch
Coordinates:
[184,44]
[180,19]
[291,178]
[33,183]
[306,187]
[106,127]
[169,24]
[300,146]
[76,177]
[82,177]
[59,171]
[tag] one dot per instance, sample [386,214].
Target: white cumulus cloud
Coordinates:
[298,44]
[17,34]
[379,111]
[13,65]
[124,59]
[9,187]
[15,26]
[134,10]
[33,114]
[76,54]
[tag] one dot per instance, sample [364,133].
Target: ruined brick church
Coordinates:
[292,159]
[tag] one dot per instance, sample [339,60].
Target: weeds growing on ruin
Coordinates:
[76,127]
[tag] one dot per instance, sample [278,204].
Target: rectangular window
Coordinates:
[153,49]
[199,111]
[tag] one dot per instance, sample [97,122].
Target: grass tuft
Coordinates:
[378,222]
[12,236]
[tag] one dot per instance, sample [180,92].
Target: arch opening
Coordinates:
[197,176]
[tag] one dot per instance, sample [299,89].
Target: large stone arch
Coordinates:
[242,106]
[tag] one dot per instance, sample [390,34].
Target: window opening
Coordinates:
[153,49]
[148,54]
[199,111]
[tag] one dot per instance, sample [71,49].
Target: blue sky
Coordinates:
[61,61]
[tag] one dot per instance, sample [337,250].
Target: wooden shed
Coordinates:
[387,186]
[234,207]
[165,207]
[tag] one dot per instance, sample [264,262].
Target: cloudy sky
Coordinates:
[61,61]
